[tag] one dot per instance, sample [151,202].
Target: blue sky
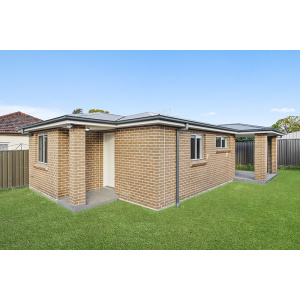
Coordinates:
[210,86]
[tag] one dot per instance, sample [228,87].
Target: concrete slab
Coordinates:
[248,176]
[93,198]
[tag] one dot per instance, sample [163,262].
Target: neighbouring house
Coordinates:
[153,160]
[10,137]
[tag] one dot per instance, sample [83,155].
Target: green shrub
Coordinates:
[289,167]
[248,167]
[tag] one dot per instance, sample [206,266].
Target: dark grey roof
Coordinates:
[139,116]
[247,127]
[97,116]
[149,116]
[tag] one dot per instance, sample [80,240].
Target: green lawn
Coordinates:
[234,216]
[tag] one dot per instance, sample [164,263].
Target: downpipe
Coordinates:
[177,161]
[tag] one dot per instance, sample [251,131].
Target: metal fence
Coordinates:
[13,168]
[288,152]
[244,153]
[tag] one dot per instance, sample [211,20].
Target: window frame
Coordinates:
[222,138]
[43,149]
[201,137]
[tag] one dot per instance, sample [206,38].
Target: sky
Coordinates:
[219,87]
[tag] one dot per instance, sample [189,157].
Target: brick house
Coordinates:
[148,159]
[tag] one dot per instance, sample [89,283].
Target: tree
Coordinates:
[289,124]
[78,111]
[93,110]
[244,139]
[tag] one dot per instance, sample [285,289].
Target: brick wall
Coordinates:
[77,165]
[217,167]
[52,178]
[269,158]
[93,176]
[261,157]
[146,165]
[63,165]
[274,154]
[137,159]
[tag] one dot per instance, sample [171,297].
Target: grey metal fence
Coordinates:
[13,168]
[288,152]
[244,153]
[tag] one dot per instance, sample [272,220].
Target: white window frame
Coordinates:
[43,150]
[198,136]
[222,139]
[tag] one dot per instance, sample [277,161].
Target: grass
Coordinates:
[234,216]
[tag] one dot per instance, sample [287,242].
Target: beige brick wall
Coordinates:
[93,152]
[218,166]
[63,165]
[137,160]
[261,157]
[145,165]
[274,154]
[52,178]
[77,164]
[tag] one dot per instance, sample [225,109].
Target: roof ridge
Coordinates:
[19,112]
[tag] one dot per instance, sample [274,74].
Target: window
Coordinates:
[43,148]
[222,142]
[3,147]
[196,146]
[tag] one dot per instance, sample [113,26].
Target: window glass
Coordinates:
[196,146]
[40,156]
[193,144]
[199,148]
[45,148]
[223,143]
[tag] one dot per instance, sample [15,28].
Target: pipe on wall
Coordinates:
[177,161]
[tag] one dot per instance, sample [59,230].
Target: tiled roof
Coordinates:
[8,123]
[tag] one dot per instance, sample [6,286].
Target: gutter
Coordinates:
[177,160]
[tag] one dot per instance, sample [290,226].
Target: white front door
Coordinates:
[109,159]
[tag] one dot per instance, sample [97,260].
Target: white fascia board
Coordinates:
[68,122]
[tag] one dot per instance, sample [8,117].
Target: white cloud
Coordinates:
[283,110]
[38,112]
[212,113]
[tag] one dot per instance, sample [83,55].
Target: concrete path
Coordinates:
[93,198]
[248,176]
